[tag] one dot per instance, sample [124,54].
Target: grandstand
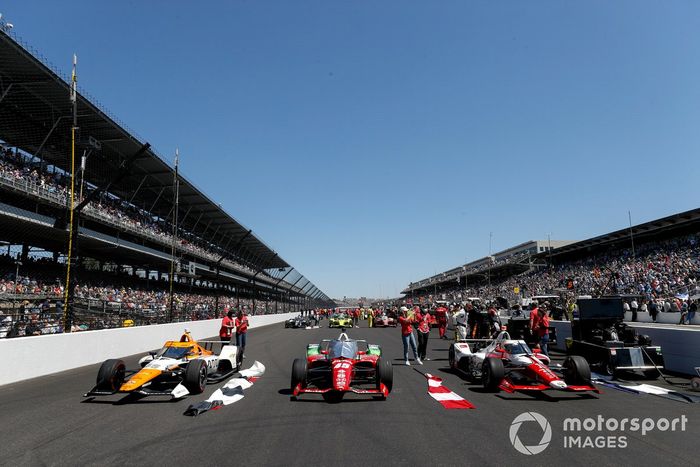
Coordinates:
[126,206]
[657,260]
[513,260]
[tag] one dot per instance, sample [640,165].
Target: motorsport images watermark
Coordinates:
[592,432]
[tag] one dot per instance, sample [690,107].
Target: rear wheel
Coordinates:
[608,368]
[651,374]
[385,374]
[576,370]
[493,373]
[196,376]
[298,373]
[111,375]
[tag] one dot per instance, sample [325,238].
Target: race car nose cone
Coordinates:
[558,384]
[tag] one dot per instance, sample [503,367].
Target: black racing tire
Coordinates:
[299,369]
[695,384]
[385,373]
[493,373]
[576,370]
[608,369]
[651,374]
[111,375]
[195,376]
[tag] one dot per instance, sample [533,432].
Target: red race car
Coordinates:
[337,366]
[385,320]
[511,366]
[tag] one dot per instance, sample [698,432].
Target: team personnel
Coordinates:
[423,322]
[461,329]
[226,329]
[241,324]
[406,320]
[540,327]
[441,317]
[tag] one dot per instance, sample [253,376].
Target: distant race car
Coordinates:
[334,367]
[297,322]
[179,368]
[509,365]
[339,320]
[385,320]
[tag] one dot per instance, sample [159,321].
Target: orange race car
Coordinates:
[179,368]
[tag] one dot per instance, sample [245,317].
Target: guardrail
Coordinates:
[30,357]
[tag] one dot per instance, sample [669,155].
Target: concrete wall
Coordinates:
[29,357]
[680,345]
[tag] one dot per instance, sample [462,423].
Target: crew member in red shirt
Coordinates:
[540,327]
[226,328]
[406,320]
[241,324]
[423,321]
[441,317]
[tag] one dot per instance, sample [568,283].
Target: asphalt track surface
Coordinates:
[46,421]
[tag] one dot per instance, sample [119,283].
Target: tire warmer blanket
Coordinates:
[448,399]
[231,392]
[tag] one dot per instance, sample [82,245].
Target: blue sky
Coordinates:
[372,143]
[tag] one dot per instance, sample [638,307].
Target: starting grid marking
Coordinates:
[446,397]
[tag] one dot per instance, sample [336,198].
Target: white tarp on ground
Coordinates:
[230,392]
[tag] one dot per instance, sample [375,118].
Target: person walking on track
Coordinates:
[241,324]
[423,321]
[406,320]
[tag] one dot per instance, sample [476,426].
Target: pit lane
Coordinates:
[45,421]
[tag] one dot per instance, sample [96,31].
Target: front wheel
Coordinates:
[298,373]
[493,373]
[111,375]
[196,376]
[385,374]
[451,358]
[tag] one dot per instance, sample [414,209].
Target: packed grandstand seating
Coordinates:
[101,300]
[17,167]
[664,272]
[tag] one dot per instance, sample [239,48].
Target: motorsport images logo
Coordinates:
[591,432]
[544,426]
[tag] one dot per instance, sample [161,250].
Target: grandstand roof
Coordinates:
[38,97]
[675,223]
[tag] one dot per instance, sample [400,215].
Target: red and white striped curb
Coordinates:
[446,397]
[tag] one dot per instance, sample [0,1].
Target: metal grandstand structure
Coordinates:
[475,272]
[213,248]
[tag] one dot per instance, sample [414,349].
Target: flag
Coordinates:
[448,399]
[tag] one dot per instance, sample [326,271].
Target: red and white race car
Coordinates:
[342,365]
[510,365]
[385,320]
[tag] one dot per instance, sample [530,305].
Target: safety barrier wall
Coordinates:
[680,346]
[29,357]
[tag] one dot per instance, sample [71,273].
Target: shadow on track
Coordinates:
[130,399]
[288,392]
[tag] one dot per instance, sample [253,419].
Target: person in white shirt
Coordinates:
[634,306]
[461,328]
